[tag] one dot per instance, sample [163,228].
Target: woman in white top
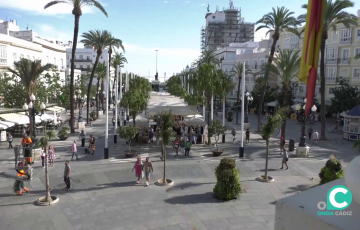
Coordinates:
[315,137]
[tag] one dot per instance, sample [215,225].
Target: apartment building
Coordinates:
[16,44]
[225,27]
[342,46]
[85,58]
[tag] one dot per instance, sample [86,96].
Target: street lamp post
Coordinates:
[301,110]
[104,109]
[248,98]
[98,101]
[80,107]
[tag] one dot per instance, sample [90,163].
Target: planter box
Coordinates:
[129,154]
[217,153]
[63,138]
[100,113]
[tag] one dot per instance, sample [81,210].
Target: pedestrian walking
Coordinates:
[51,156]
[113,111]
[10,140]
[247,135]
[92,144]
[74,151]
[43,157]
[285,159]
[182,145]
[310,131]
[82,137]
[138,167]
[176,147]
[67,171]
[315,137]
[151,135]
[148,168]
[187,148]
[233,133]
[113,121]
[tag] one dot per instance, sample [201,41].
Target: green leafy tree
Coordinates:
[267,131]
[215,130]
[44,143]
[228,185]
[334,14]
[29,72]
[128,133]
[345,97]
[165,122]
[77,6]
[238,70]
[279,20]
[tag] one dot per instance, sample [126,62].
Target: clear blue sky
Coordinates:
[172,27]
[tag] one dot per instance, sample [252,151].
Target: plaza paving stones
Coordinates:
[104,195]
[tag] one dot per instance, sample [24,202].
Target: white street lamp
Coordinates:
[42,106]
[305,100]
[313,108]
[32,97]
[31,105]
[298,107]
[79,91]
[25,106]
[304,107]
[75,97]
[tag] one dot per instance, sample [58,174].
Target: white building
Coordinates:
[85,58]
[16,44]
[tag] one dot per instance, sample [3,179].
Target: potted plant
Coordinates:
[215,130]
[128,133]
[228,185]
[229,116]
[63,134]
[331,171]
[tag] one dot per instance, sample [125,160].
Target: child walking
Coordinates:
[138,167]
[51,156]
[74,151]
[147,169]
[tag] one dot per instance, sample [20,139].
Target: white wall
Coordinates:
[219,17]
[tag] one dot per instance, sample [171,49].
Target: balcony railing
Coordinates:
[294,46]
[330,79]
[345,40]
[84,69]
[3,61]
[344,60]
[82,60]
[332,60]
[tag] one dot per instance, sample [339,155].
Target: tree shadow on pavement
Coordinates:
[188,185]
[194,199]
[300,188]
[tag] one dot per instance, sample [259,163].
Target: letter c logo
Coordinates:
[332,198]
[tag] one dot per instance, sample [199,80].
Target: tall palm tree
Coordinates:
[286,65]
[101,75]
[334,15]
[99,39]
[277,21]
[226,85]
[29,72]
[77,12]
[118,61]
[267,131]
[114,43]
[238,70]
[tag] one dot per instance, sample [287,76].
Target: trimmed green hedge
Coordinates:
[331,171]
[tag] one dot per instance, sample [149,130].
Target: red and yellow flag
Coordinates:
[311,48]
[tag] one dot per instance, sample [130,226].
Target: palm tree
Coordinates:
[99,40]
[77,12]
[226,85]
[267,131]
[44,144]
[238,70]
[114,43]
[101,75]
[118,62]
[334,14]
[29,72]
[277,21]
[165,122]
[286,65]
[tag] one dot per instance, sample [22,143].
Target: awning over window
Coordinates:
[6,124]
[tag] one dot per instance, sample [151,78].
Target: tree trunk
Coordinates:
[322,90]
[134,116]
[266,159]
[89,87]
[224,103]
[266,77]
[48,196]
[283,125]
[110,52]
[75,38]
[238,99]
[164,157]
[98,97]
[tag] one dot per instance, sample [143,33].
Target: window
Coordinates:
[345,55]
[345,36]
[255,64]
[286,43]
[88,66]
[334,37]
[356,74]
[358,33]
[81,66]
[15,57]
[330,72]
[344,73]
[262,62]
[68,57]
[331,90]
[229,34]
[301,88]
[331,54]
[356,52]
[88,58]
[213,17]
[62,63]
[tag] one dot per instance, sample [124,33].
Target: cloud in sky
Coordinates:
[37,7]
[46,31]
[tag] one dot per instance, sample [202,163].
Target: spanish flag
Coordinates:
[311,48]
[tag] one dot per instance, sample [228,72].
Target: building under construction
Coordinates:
[225,27]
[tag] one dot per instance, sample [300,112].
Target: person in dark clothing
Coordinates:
[82,137]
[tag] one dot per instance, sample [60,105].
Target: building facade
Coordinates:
[342,46]
[225,27]
[16,44]
[85,58]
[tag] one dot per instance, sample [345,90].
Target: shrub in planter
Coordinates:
[93,115]
[331,171]
[63,134]
[128,133]
[215,130]
[228,185]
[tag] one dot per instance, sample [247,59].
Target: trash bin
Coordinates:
[291,145]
